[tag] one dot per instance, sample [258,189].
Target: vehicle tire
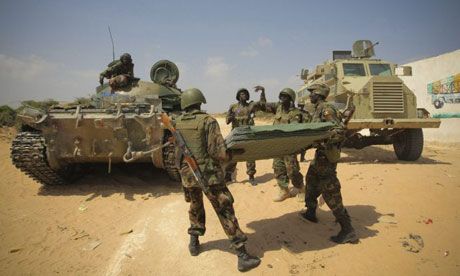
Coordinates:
[408,145]
[438,104]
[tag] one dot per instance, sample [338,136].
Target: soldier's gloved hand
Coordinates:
[259,87]
[101,80]
[335,137]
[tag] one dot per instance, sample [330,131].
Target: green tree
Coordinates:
[7,116]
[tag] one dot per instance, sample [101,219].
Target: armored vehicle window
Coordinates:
[328,77]
[380,69]
[353,69]
[302,93]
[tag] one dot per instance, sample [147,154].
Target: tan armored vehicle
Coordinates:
[382,103]
[120,125]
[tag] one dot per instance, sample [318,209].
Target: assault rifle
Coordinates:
[185,151]
[350,110]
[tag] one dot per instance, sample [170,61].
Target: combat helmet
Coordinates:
[190,97]
[319,88]
[289,92]
[241,90]
[126,57]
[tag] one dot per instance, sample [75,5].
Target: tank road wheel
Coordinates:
[408,145]
[438,104]
[28,153]
[169,161]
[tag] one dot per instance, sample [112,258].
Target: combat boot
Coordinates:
[228,177]
[252,180]
[283,194]
[310,214]
[246,261]
[194,245]
[346,234]
[301,194]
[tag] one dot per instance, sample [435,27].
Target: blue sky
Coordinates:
[56,49]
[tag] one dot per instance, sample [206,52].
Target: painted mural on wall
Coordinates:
[443,92]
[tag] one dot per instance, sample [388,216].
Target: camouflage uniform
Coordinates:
[243,116]
[118,73]
[202,134]
[287,167]
[321,177]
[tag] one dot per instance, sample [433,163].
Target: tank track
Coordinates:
[169,161]
[28,153]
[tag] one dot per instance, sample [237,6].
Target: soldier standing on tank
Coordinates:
[306,118]
[286,167]
[119,72]
[242,114]
[321,178]
[202,134]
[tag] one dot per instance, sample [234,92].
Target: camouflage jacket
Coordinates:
[203,137]
[326,112]
[292,115]
[117,68]
[242,114]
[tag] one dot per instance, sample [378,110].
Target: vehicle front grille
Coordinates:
[388,97]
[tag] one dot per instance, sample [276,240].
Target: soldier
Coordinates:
[286,167]
[242,114]
[119,72]
[306,118]
[202,135]
[321,177]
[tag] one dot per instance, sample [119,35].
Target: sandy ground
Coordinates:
[134,221]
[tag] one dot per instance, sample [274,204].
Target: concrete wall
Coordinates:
[428,71]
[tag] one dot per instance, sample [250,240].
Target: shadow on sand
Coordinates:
[376,155]
[297,235]
[127,179]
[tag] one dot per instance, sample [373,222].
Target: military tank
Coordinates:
[119,125]
[378,101]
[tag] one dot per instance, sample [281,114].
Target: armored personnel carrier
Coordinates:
[119,125]
[370,90]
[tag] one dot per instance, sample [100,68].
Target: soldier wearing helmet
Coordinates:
[285,168]
[321,176]
[202,134]
[119,72]
[242,114]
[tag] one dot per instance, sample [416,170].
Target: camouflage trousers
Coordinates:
[286,168]
[322,179]
[250,167]
[222,201]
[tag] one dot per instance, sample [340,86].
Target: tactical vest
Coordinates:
[285,117]
[242,115]
[331,150]
[191,126]
[118,68]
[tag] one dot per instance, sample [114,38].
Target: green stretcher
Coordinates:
[266,142]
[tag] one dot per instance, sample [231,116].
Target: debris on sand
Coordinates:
[414,244]
[127,232]
[92,245]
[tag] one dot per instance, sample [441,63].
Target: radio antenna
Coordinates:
[113,46]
